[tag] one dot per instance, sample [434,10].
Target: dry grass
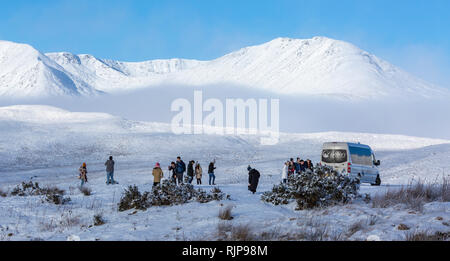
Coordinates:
[318,232]
[426,236]
[445,189]
[402,227]
[99,220]
[3,194]
[68,220]
[241,233]
[86,191]
[228,232]
[271,235]
[223,229]
[48,225]
[225,213]
[372,220]
[355,227]
[414,195]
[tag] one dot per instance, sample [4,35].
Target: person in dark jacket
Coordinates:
[297,166]
[211,174]
[253,179]
[180,168]
[303,165]
[110,171]
[190,171]
[173,176]
[291,168]
[309,164]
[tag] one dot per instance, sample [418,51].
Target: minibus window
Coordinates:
[334,156]
[361,156]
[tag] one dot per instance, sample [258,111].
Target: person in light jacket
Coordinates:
[284,172]
[198,173]
[157,174]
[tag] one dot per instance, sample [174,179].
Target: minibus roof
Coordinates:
[344,144]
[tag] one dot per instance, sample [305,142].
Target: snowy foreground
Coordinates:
[47,145]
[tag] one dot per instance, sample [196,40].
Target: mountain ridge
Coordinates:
[316,66]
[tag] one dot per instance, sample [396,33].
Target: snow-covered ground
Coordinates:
[47,145]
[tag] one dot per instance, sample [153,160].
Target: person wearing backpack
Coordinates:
[190,171]
[211,169]
[157,174]
[83,174]
[180,168]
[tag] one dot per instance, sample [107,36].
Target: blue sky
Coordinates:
[414,35]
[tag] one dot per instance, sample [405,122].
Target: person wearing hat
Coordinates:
[253,179]
[83,174]
[157,174]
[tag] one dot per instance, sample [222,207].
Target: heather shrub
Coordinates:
[50,194]
[311,189]
[167,194]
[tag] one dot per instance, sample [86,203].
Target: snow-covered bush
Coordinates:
[26,189]
[57,199]
[167,194]
[215,194]
[310,189]
[170,194]
[51,194]
[132,198]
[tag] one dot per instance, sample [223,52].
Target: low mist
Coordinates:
[424,118]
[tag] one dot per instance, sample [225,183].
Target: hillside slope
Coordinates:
[318,66]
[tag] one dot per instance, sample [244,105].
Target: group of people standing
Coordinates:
[193,169]
[290,167]
[176,170]
[109,172]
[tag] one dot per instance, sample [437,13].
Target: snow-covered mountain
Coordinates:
[317,66]
[24,71]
